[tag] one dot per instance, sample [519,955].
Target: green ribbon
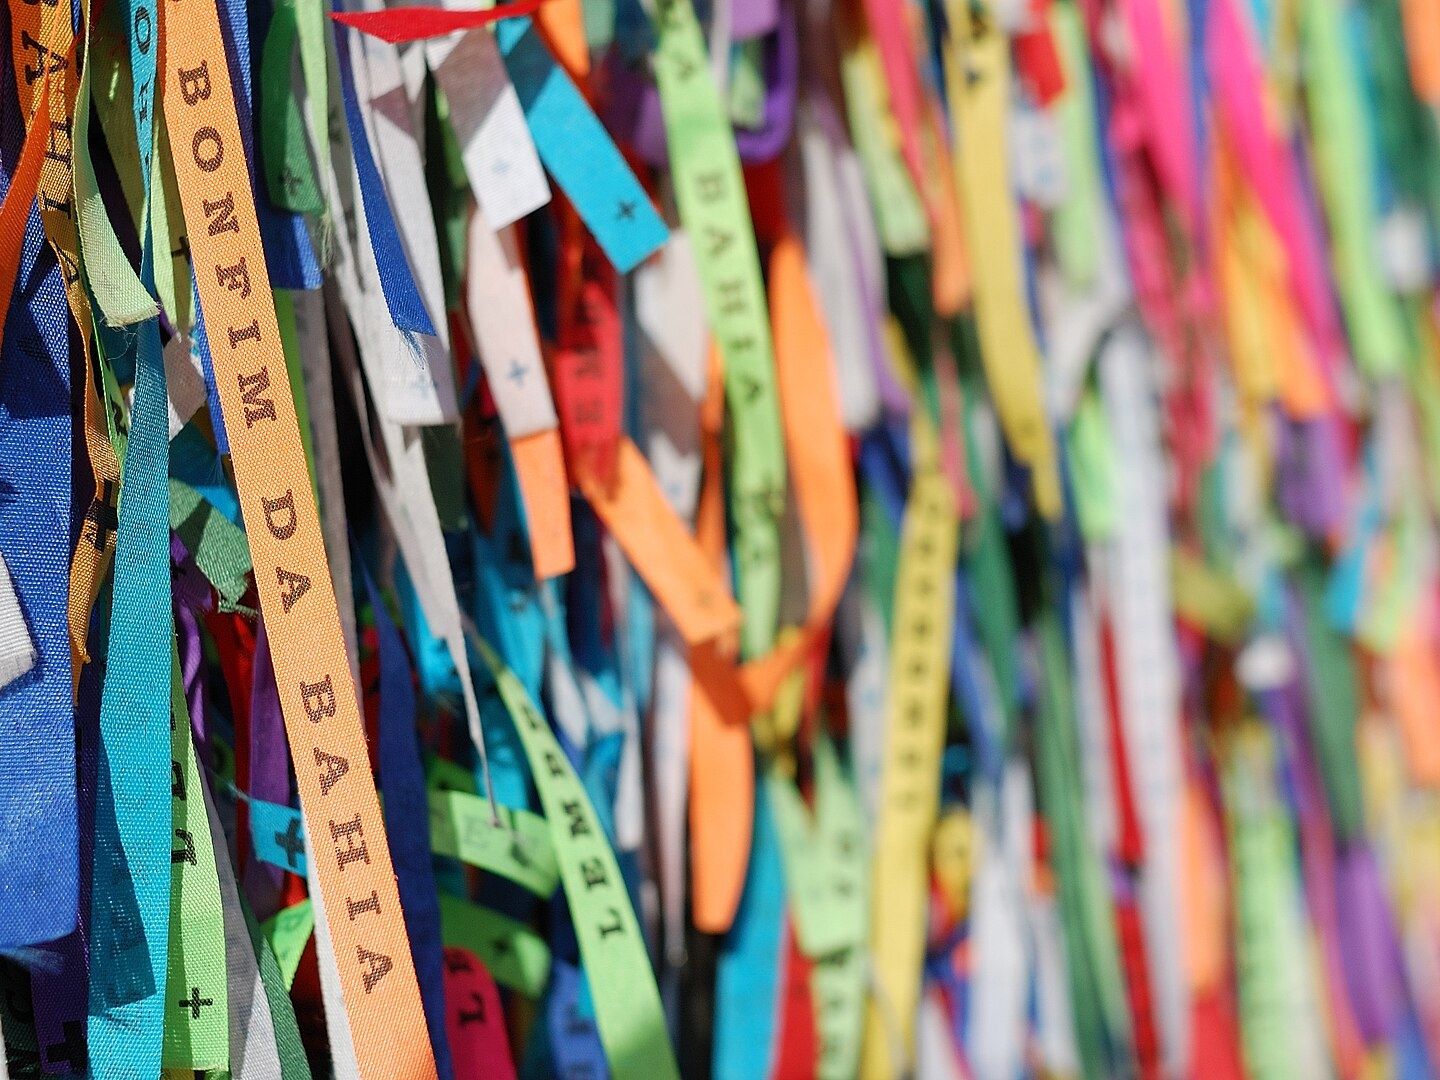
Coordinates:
[1092,469]
[1333,704]
[516,955]
[217,545]
[899,212]
[288,931]
[747,85]
[1092,948]
[516,847]
[1273,963]
[197,1024]
[1342,159]
[1073,224]
[284,150]
[617,965]
[293,1063]
[710,191]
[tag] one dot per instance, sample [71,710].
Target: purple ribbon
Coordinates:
[633,112]
[269,770]
[192,594]
[1310,471]
[750,19]
[1369,948]
[782,74]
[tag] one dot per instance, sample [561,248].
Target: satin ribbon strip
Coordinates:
[626,1001]
[197,1036]
[711,195]
[577,151]
[915,711]
[418,23]
[40,849]
[292,576]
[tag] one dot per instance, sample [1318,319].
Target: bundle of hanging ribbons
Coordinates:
[744,539]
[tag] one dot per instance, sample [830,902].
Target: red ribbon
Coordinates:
[400,25]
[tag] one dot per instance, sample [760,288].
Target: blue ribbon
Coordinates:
[277,835]
[130,888]
[193,460]
[570,1017]
[39,882]
[965,687]
[207,365]
[577,152]
[130,902]
[60,985]
[289,256]
[407,310]
[506,612]
[144,35]
[407,822]
[748,980]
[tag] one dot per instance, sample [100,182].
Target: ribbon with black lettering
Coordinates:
[617,965]
[337,790]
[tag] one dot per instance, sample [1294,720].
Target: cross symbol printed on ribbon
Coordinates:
[195,1002]
[103,516]
[291,842]
[518,852]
